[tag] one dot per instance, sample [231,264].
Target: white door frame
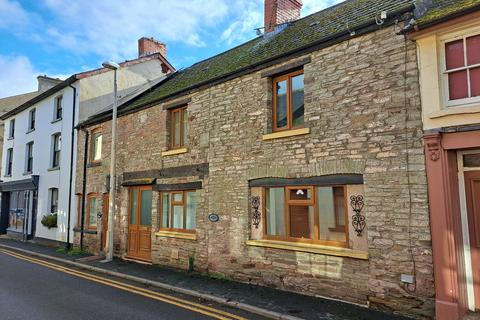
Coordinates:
[465,233]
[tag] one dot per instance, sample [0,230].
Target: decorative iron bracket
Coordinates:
[256,214]
[358,220]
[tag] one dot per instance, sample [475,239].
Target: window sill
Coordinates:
[286,133]
[30,130]
[53,169]
[94,164]
[310,248]
[27,173]
[179,235]
[7,176]
[56,120]
[10,138]
[174,152]
[458,110]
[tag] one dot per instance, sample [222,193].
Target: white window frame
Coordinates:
[11,129]
[9,158]
[50,200]
[52,165]
[27,155]
[453,36]
[32,115]
[55,108]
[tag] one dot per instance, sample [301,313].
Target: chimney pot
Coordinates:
[280,11]
[148,46]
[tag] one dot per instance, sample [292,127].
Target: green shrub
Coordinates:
[76,252]
[50,220]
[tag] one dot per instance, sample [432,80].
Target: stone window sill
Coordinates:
[30,130]
[310,248]
[56,120]
[179,235]
[53,169]
[286,133]
[174,152]
[94,164]
[458,110]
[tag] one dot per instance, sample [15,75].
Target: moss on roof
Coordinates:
[444,8]
[318,27]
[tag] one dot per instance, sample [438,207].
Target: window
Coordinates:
[31,120]
[79,209]
[462,70]
[53,195]
[8,170]
[178,211]
[288,101]
[178,127]
[29,158]
[92,211]
[56,147]
[306,214]
[11,129]
[57,115]
[96,150]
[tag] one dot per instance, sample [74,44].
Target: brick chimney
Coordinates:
[281,11]
[148,46]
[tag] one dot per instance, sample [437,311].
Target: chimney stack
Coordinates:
[45,83]
[281,11]
[148,46]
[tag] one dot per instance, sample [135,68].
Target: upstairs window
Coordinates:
[178,127]
[8,165]
[179,211]
[58,109]
[288,101]
[11,129]
[31,120]
[29,158]
[56,147]
[96,148]
[53,193]
[462,70]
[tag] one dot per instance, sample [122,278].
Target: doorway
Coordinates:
[140,223]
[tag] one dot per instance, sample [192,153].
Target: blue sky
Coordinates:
[59,38]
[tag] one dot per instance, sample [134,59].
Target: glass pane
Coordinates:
[458,85]
[185,126]
[275,211]
[165,210]
[471,160]
[301,222]
[98,147]
[93,212]
[133,206]
[475,82]
[331,214]
[473,50]
[176,128]
[454,54]
[300,194]
[191,210]
[178,217]
[177,197]
[281,114]
[146,208]
[298,109]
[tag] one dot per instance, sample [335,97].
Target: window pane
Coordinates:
[146,208]
[176,128]
[93,212]
[98,147]
[301,222]
[475,82]
[133,206]
[471,160]
[184,126]
[275,211]
[178,217]
[300,194]
[458,85]
[281,94]
[454,54]
[473,50]
[191,210]
[297,100]
[178,197]
[165,210]
[331,214]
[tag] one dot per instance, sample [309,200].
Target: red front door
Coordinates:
[140,224]
[472,189]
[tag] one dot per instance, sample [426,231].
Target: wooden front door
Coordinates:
[105,220]
[472,189]
[140,224]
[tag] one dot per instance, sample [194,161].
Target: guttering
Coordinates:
[361,29]
[69,214]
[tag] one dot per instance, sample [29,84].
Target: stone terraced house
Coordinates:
[294,160]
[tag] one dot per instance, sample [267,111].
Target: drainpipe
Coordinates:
[69,214]
[84,185]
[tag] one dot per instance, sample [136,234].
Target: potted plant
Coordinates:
[49,220]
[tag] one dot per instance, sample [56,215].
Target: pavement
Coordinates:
[256,300]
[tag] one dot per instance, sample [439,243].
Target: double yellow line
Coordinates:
[185,304]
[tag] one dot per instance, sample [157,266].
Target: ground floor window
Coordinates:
[92,211]
[316,214]
[17,211]
[178,210]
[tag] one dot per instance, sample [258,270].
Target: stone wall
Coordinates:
[362,107]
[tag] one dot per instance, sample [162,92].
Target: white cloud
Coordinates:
[18,75]
[12,15]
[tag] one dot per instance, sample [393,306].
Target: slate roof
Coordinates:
[319,27]
[9,103]
[440,10]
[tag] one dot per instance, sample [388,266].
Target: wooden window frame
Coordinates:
[310,202]
[29,157]
[182,111]
[58,107]
[288,77]
[182,203]
[93,134]
[89,197]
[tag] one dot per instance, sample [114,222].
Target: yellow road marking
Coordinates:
[212,312]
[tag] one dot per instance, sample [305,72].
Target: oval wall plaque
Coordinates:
[213,217]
